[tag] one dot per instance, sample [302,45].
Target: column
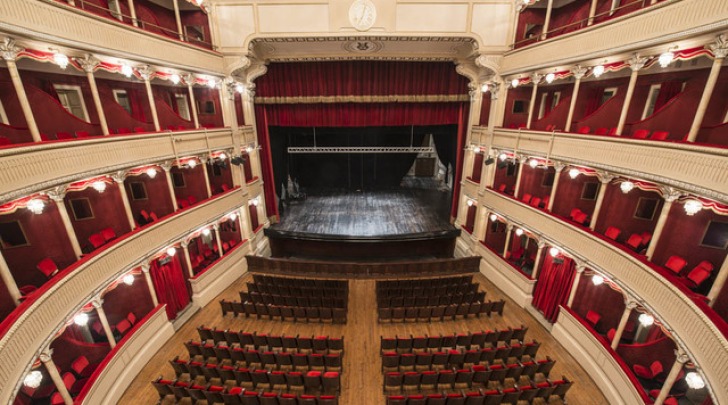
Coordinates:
[45,358]
[244,230]
[190,80]
[579,73]
[186,248]
[498,95]
[89,64]
[150,283]
[719,282]
[604,179]
[537,262]
[535,78]
[558,167]
[10,52]
[680,360]
[635,63]
[547,21]
[178,20]
[629,306]
[592,12]
[132,11]
[119,177]
[9,281]
[506,248]
[204,161]
[57,195]
[670,195]
[224,104]
[521,162]
[98,304]
[246,99]
[720,50]
[72,3]
[146,72]
[481,222]
[579,271]
[216,227]
[476,101]
[167,167]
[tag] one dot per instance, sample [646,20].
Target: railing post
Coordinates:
[506,248]
[132,11]
[190,80]
[558,168]
[629,306]
[537,262]
[178,20]
[547,20]
[186,249]
[150,283]
[47,360]
[57,195]
[167,167]
[670,195]
[98,304]
[720,51]
[146,73]
[89,64]
[535,78]
[118,178]
[680,360]
[9,280]
[521,162]
[575,285]
[604,178]
[635,63]
[579,73]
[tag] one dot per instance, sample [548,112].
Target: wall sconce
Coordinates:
[646,320]
[36,205]
[598,70]
[554,251]
[692,207]
[81,319]
[626,186]
[574,173]
[128,279]
[211,83]
[60,59]
[206,231]
[33,379]
[175,79]
[519,232]
[126,70]
[192,163]
[550,78]
[99,186]
[515,83]
[470,203]
[666,58]
[171,251]
[493,217]
[597,279]
[694,380]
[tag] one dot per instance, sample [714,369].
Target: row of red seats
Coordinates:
[235,395]
[695,277]
[536,202]
[414,344]
[293,344]
[393,361]
[101,238]
[544,390]
[440,312]
[637,242]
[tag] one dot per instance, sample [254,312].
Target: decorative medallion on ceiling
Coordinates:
[362,14]
[363,46]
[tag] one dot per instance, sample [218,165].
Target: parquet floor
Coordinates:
[362,379]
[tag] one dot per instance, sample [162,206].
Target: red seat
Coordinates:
[593,318]
[648,373]
[584,130]
[48,267]
[635,242]
[139,129]
[62,136]
[535,202]
[676,264]
[4,141]
[45,137]
[502,188]
[612,233]
[526,198]
[611,333]
[613,131]
[123,326]
[646,238]
[82,134]
[121,131]
[131,318]
[659,135]
[82,367]
[641,134]
[601,131]
[573,213]
[192,200]
[108,234]
[698,275]
[581,218]
[96,240]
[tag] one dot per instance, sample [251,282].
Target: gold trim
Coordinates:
[433,98]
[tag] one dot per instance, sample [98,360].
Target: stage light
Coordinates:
[533,163]
[128,279]
[222,156]
[175,78]
[192,163]
[36,205]
[554,251]
[514,83]
[646,320]
[81,319]
[211,83]
[502,157]
[597,279]
[33,379]
[626,186]
[151,172]
[493,217]
[99,186]
[237,160]
[489,161]
[61,60]
[666,58]
[598,70]
[694,380]
[550,78]
[171,251]
[692,207]
[126,70]
[519,232]
[206,231]
[574,173]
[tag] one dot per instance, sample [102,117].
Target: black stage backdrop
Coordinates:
[353,171]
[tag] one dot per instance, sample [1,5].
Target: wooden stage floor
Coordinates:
[387,213]
[362,379]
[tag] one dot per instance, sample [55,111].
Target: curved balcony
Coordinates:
[28,169]
[699,169]
[66,25]
[667,21]
[703,335]
[34,322]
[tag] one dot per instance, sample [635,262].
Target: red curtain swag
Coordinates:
[668,90]
[169,282]
[553,286]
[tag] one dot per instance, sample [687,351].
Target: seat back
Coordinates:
[612,233]
[641,134]
[48,267]
[660,135]
[584,130]
[601,131]
[676,264]
[593,318]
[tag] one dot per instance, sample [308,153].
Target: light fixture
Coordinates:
[550,78]
[470,203]
[61,60]
[493,217]
[554,251]
[171,251]
[151,172]
[646,320]
[692,207]
[533,163]
[476,149]
[598,70]
[128,279]
[514,83]
[239,88]
[626,186]
[597,279]
[666,58]
[694,380]
[211,83]
[199,2]
[206,231]
[175,78]
[99,186]
[248,149]
[502,157]
[574,172]
[126,70]
[192,163]
[484,88]
[255,201]
[81,319]
[222,156]
[233,216]
[519,232]
[33,379]
[36,205]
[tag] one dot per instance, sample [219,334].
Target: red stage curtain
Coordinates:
[356,78]
[462,130]
[668,90]
[170,284]
[470,218]
[266,162]
[553,286]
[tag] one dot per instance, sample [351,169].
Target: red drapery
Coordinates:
[553,286]
[462,130]
[253,210]
[668,90]
[477,167]
[169,282]
[593,102]
[470,219]
[266,162]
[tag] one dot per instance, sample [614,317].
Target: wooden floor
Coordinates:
[362,379]
[368,213]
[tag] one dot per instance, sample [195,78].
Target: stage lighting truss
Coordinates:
[362,149]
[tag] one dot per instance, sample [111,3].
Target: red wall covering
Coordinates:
[601,299]
[485,110]
[557,115]
[225,177]
[194,183]
[495,236]
[124,298]
[108,211]
[568,194]
[203,95]
[501,177]
[515,120]
[532,182]
[618,210]
[158,199]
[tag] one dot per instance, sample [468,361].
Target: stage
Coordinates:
[409,221]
